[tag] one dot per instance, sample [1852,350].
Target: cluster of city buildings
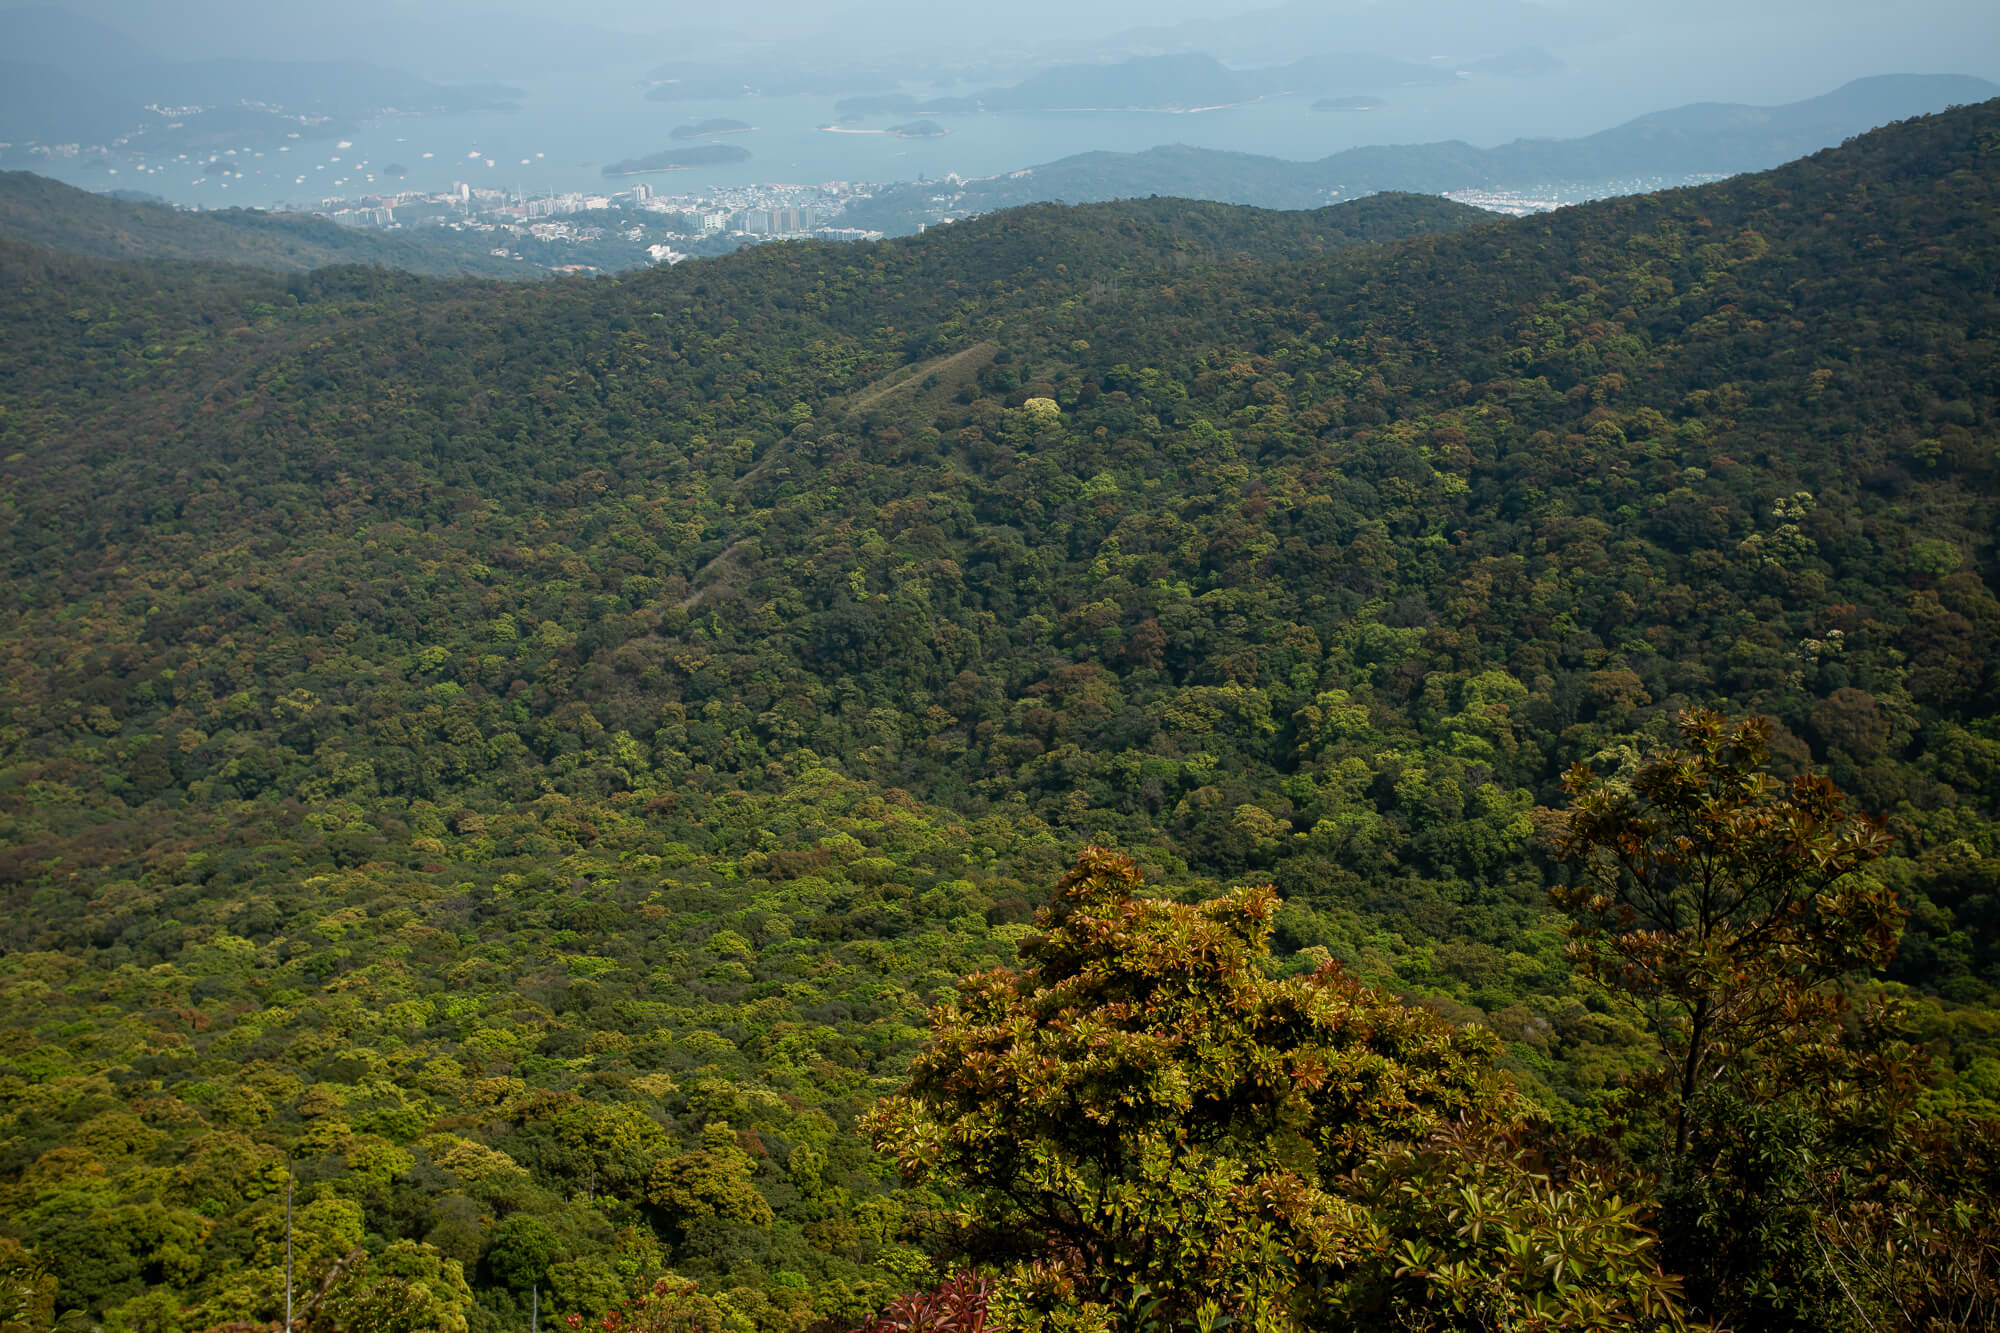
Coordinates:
[663,224]
[1546,198]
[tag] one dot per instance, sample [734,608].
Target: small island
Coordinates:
[1358,103]
[916,129]
[710,128]
[680,159]
[881,104]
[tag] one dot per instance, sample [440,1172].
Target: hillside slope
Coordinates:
[35,210]
[507,750]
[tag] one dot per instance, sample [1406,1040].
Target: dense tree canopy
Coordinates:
[1720,900]
[527,760]
[1145,1117]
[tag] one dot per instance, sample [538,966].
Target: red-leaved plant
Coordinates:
[956,1305]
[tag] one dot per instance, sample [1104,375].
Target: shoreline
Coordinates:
[1129,110]
[1145,110]
[642,171]
[689,158]
[836,129]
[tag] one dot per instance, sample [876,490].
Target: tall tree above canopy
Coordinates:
[1728,903]
[1719,897]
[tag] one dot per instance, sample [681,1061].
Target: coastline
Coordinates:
[837,129]
[1147,110]
[1133,110]
[642,171]
[679,159]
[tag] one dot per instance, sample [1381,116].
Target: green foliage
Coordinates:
[470,742]
[408,1288]
[1145,1116]
[28,1292]
[1720,900]
[669,1305]
[522,1251]
[1727,903]
[711,1184]
[1472,1232]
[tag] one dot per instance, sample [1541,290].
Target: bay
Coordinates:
[568,126]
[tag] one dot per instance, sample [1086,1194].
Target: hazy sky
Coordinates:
[1966,29]
[236,22]
[583,68]
[1623,57]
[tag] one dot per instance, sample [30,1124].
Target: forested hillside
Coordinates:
[529,756]
[35,210]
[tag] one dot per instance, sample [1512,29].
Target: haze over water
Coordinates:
[577,114]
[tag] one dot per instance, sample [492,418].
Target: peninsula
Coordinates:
[680,159]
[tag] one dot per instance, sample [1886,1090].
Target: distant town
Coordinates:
[635,225]
[1545,198]
[630,225]
[640,225]
[581,232]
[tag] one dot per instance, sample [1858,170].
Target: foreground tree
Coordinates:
[1800,1182]
[1722,900]
[1147,1125]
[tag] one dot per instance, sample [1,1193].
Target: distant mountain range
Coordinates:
[1705,139]
[1412,29]
[47,35]
[43,104]
[332,87]
[447,39]
[66,79]
[1188,81]
[1178,81]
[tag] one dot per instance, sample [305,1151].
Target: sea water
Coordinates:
[567,127]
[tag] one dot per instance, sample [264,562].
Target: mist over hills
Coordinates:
[1276,35]
[441,39]
[1188,82]
[46,104]
[42,103]
[1170,81]
[67,79]
[1706,139]
[344,88]
[67,40]
[1515,70]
